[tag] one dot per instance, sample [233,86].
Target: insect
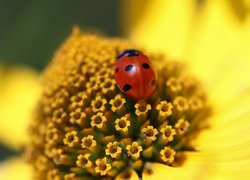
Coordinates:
[134,75]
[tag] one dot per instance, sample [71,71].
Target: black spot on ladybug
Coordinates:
[127,87]
[116,70]
[153,82]
[145,65]
[129,68]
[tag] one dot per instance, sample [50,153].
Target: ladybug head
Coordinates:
[128,52]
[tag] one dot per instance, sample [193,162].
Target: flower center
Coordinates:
[122,124]
[85,127]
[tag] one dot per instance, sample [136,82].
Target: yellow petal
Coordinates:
[165,26]
[131,172]
[215,51]
[163,172]
[19,91]
[229,126]
[14,169]
[196,169]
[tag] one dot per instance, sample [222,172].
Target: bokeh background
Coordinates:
[31,30]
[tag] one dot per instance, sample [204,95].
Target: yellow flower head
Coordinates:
[85,126]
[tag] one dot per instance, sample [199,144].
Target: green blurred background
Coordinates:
[31,30]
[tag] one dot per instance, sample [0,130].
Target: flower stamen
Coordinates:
[102,166]
[84,161]
[99,120]
[118,104]
[149,134]
[141,110]
[98,104]
[122,124]
[134,150]
[167,155]
[71,139]
[113,149]
[181,126]
[164,109]
[89,143]
[167,134]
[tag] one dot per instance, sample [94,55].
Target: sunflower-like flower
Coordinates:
[91,125]
[79,81]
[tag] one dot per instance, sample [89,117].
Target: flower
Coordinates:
[134,124]
[217,156]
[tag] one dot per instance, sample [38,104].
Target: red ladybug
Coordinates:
[134,75]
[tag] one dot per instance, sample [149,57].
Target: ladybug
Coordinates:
[134,75]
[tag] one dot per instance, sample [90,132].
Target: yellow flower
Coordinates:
[204,38]
[81,128]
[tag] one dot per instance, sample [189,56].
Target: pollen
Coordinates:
[134,150]
[84,127]
[173,84]
[164,109]
[122,125]
[167,133]
[118,104]
[98,120]
[108,87]
[167,155]
[102,166]
[84,161]
[181,126]
[53,136]
[181,103]
[54,175]
[142,109]
[71,139]
[149,134]
[195,103]
[59,116]
[113,149]
[89,142]
[98,104]
[78,117]
[80,100]
[70,176]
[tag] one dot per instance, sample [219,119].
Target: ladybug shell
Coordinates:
[134,75]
